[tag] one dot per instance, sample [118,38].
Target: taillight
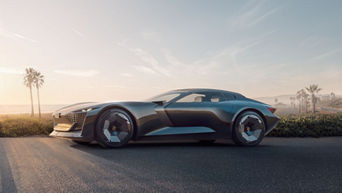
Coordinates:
[271,109]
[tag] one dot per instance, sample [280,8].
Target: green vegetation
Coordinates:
[304,125]
[25,125]
[309,125]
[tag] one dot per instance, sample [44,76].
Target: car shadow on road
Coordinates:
[161,144]
[165,145]
[149,151]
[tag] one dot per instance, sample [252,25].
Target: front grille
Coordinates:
[75,120]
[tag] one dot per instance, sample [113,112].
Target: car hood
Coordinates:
[76,107]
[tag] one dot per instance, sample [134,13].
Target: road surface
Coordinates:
[42,164]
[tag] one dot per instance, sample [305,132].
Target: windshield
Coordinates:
[167,97]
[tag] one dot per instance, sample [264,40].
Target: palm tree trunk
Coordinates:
[306,104]
[313,103]
[301,105]
[38,101]
[32,111]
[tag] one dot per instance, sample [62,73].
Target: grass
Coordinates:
[25,125]
[306,125]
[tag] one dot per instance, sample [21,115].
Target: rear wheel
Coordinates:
[114,128]
[249,129]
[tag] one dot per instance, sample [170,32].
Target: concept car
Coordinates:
[199,114]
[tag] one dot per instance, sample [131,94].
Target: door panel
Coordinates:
[190,113]
[163,116]
[198,114]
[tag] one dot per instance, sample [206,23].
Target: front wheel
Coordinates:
[114,128]
[249,129]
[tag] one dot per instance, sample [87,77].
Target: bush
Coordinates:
[309,125]
[24,125]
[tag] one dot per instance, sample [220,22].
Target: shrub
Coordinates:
[23,125]
[309,125]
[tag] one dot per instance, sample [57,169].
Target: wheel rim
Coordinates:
[250,128]
[116,127]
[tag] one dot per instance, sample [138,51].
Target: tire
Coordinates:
[249,129]
[114,128]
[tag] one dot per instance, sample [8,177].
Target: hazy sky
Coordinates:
[125,50]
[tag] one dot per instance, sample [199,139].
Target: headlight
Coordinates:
[87,110]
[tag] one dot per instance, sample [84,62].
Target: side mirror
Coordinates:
[160,103]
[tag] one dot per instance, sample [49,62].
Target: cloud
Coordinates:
[262,17]
[251,15]
[78,33]
[216,65]
[131,87]
[145,56]
[171,59]
[114,86]
[218,62]
[145,69]
[20,36]
[150,64]
[125,74]
[16,36]
[79,73]
[8,70]
[151,36]
[310,42]
[327,54]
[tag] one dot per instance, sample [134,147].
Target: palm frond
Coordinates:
[38,79]
[29,77]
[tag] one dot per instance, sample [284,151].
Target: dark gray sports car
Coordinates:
[200,114]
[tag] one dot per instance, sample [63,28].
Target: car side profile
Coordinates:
[198,114]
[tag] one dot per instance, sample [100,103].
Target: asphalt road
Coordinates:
[42,164]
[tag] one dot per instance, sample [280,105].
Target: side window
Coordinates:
[192,98]
[203,97]
[229,97]
[216,97]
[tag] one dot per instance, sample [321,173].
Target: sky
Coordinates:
[132,49]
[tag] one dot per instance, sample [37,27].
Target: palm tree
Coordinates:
[332,96]
[305,99]
[38,80]
[313,89]
[293,99]
[300,100]
[302,97]
[28,81]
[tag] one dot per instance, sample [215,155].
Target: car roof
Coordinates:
[205,90]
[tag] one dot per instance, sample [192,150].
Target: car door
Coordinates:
[195,109]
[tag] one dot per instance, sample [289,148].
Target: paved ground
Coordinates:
[41,164]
